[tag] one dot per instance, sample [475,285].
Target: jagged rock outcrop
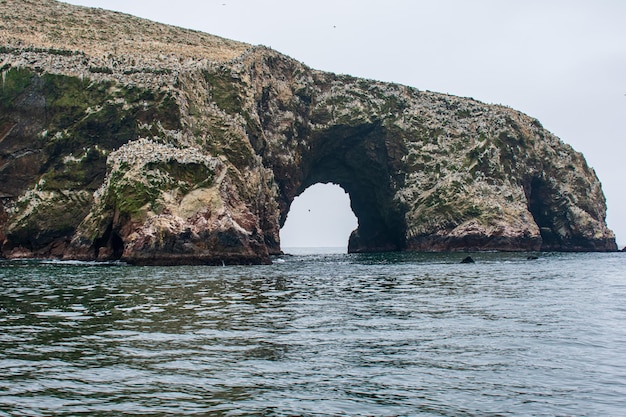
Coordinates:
[122,138]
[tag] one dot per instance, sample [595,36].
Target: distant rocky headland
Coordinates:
[122,138]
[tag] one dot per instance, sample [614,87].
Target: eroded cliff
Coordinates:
[126,139]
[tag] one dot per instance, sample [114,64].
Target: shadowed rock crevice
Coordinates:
[550,220]
[110,246]
[551,212]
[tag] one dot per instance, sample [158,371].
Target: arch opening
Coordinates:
[360,159]
[320,217]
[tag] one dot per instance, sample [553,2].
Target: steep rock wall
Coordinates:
[161,158]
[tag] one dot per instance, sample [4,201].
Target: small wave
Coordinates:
[81,263]
[60,262]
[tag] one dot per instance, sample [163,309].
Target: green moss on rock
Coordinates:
[224,90]
[42,217]
[14,82]
[83,173]
[184,176]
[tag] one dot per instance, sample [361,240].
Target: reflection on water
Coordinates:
[331,334]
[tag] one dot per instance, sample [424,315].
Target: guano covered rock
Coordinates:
[122,138]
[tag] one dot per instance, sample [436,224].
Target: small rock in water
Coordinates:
[532,257]
[468,260]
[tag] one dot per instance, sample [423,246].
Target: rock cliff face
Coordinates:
[126,139]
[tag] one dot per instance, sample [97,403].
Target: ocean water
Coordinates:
[317,334]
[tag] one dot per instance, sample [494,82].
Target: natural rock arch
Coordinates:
[356,159]
[424,171]
[159,159]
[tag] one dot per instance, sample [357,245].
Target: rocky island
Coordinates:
[122,138]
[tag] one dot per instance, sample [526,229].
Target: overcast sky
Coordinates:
[563,62]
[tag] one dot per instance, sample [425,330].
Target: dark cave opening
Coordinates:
[113,244]
[541,205]
[117,246]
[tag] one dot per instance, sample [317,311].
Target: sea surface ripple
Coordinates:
[312,335]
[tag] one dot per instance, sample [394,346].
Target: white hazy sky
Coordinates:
[561,61]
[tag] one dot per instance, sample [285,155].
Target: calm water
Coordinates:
[332,334]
